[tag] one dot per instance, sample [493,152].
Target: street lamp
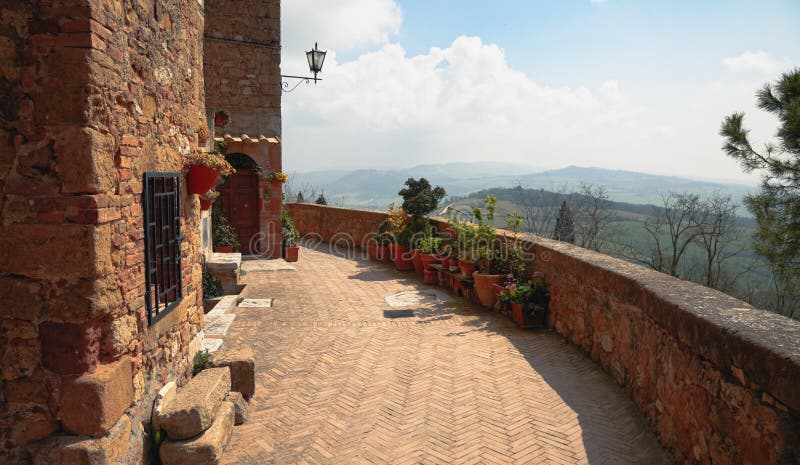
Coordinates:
[450,209]
[316,58]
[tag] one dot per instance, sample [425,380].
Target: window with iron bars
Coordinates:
[162,243]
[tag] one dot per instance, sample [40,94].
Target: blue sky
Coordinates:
[637,85]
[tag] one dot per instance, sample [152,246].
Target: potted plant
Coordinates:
[419,200]
[221,118]
[465,238]
[202,134]
[223,235]
[279,176]
[398,227]
[205,168]
[528,302]
[208,199]
[428,250]
[491,260]
[291,238]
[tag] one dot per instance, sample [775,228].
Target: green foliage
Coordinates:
[532,295]
[777,206]
[419,198]
[291,236]
[212,286]
[222,232]
[430,245]
[202,360]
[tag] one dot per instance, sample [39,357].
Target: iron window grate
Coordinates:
[162,243]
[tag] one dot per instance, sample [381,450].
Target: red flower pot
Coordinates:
[445,261]
[431,277]
[221,119]
[402,260]
[416,258]
[223,249]
[290,253]
[372,251]
[497,289]
[202,179]
[484,288]
[205,204]
[428,260]
[394,251]
[516,314]
[467,268]
[386,253]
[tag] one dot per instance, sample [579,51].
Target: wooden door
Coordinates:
[240,204]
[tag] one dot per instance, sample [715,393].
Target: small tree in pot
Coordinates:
[291,238]
[223,235]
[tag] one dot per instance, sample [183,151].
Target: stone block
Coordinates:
[70,349]
[166,395]
[240,405]
[207,448]
[111,449]
[85,160]
[242,367]
[92,403]
[196,404]
[225,267]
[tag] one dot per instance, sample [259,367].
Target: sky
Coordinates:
[620,84]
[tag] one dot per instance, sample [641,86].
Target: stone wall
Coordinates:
[242,64]
[715,377]
[94,94]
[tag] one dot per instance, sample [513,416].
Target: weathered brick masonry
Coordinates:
[93,94]
[242,75]
[716,378]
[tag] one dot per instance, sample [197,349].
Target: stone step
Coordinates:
[241,363]
[241,407]
[195,406]
[205,449]
[225,267]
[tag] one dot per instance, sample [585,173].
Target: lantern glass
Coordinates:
[315,58]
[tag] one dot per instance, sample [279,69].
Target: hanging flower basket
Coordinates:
[205,170]
[221,118]
[279,176]
[202,179]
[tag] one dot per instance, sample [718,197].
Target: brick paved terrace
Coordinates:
[340,382]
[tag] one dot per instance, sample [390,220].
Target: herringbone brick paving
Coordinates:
[338,383]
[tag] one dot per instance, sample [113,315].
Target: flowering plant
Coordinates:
[279,176]
[532,295]
[212,160]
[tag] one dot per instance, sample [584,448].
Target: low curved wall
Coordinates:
[718,380]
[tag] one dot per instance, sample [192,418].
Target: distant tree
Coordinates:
[776,207]
[299,198]
[594,216]
[716,224]
[565,225]
[539,208]
[321,200]
[419,198]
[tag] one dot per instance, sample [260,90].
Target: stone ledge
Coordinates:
[205,449]
[195,406]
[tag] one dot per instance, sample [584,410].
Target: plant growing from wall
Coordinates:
[212,286]
[202,360]
[222,233]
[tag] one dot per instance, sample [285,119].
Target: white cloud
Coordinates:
[760,61]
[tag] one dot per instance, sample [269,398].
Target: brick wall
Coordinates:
[242,64]
[95,93]
[716,378]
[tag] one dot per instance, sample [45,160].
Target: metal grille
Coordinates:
[162,242]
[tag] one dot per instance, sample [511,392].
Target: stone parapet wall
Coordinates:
[95,94]
[715,377]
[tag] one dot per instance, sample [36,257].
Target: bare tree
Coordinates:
[593,216]
[716,224]
[539,209]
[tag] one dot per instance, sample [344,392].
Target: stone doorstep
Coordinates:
[82,450]
[225,266]
[240,405]
[196,404]
[205,449]
[212,344]
[241,363]
[225,304]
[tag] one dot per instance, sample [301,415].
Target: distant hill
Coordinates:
[376,189]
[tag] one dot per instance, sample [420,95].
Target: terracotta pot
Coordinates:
[394,251]
[221,119]
[205,204]
[416,258]
[385,254]
[428,260]
[484,290]
[445,261]
[402,259]
[538,320]
[497,289]
[290,253]
[372,251]
[202,179]
[223,249]
[467,268]
[431,277]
